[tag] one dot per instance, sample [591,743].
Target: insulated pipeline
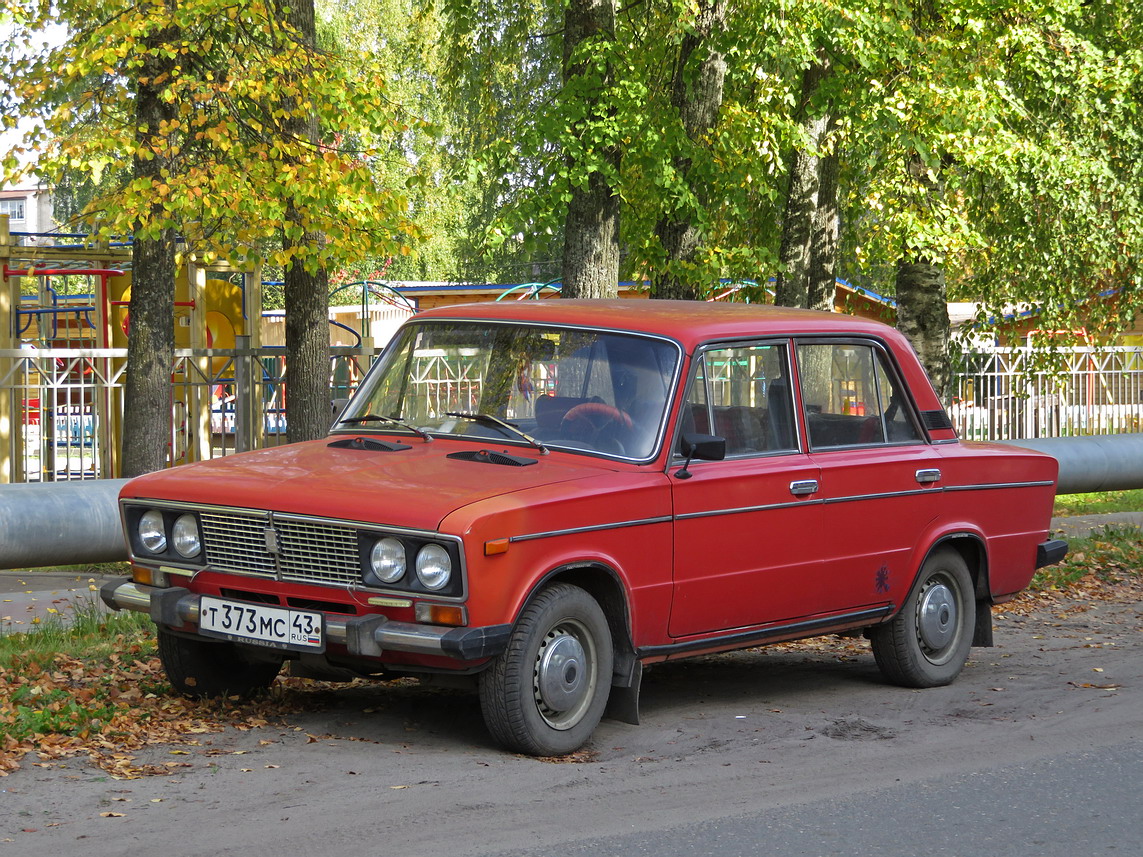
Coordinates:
[1112,462]
[60,523]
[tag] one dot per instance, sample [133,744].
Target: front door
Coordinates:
[748,529]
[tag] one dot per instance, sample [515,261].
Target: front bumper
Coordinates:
[367,636]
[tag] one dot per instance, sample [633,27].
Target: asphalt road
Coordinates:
[1036,750]
[1061,805]
[29,597]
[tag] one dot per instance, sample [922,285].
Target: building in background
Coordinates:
[29,210]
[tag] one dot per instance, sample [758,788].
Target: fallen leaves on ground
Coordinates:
[108,711]
[1106,566]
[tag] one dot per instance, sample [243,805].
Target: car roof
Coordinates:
[689,322]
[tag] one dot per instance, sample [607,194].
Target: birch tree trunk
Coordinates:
[922,298]
[151,336]
[794,253]
[923,316]
[306,292]
[697,95]
[591,226]
[821,279]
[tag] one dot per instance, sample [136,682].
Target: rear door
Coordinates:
[880,479]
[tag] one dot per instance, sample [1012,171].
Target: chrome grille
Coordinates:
[306,551]
[237,543]
[314,552]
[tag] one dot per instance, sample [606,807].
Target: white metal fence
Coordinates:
[65,406]
[65,412]
[1005,393]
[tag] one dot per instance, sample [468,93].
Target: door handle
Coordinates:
[928,475]
[803,487]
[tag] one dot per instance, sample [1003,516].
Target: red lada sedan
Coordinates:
[547,496]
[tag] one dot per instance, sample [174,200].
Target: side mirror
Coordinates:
[705,447]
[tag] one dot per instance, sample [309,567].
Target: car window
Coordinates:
[741,393]
[850,398]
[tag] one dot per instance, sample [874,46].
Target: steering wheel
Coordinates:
[597,424]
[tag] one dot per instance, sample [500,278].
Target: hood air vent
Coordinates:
[486,456]
[369,444]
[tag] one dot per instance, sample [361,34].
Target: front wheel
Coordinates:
[201,669]
[546,693]
[926,644]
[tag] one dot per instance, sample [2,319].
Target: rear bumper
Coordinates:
[368,636]
[1050,552]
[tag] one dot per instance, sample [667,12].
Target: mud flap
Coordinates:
[982,633]
[623,703]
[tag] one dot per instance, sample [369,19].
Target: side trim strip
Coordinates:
[687,516]
[912,492]
[760,635]
[571,531]
[987,486]
[768,507]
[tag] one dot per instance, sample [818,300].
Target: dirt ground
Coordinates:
[412,768]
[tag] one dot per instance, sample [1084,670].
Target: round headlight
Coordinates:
[434,566]
[184,536]
[152,531]
[387,560]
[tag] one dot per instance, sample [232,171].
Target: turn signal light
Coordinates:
[145,576]
[495,546]
[441,614]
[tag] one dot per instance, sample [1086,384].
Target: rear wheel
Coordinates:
[201,669]
[926,644]
[546,693]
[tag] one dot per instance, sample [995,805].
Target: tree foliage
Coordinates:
[238,76]
[996,141]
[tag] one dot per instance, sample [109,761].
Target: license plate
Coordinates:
[277,627]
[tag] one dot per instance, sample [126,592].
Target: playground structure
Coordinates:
[63,357]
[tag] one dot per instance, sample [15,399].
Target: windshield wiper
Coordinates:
[489,420]
[378,418]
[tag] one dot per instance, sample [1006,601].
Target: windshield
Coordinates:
[574,389]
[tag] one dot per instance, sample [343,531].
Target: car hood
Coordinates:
[415,487]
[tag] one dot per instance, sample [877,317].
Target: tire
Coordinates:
[546,693]
[926,644]
[201,669]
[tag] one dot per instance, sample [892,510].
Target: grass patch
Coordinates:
[89,633]
[69,684]
[1099,503]
[1107,558]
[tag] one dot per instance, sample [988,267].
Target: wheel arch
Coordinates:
[604,584]
[974,551]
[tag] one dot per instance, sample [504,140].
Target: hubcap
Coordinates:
[937,620]
[564,679]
